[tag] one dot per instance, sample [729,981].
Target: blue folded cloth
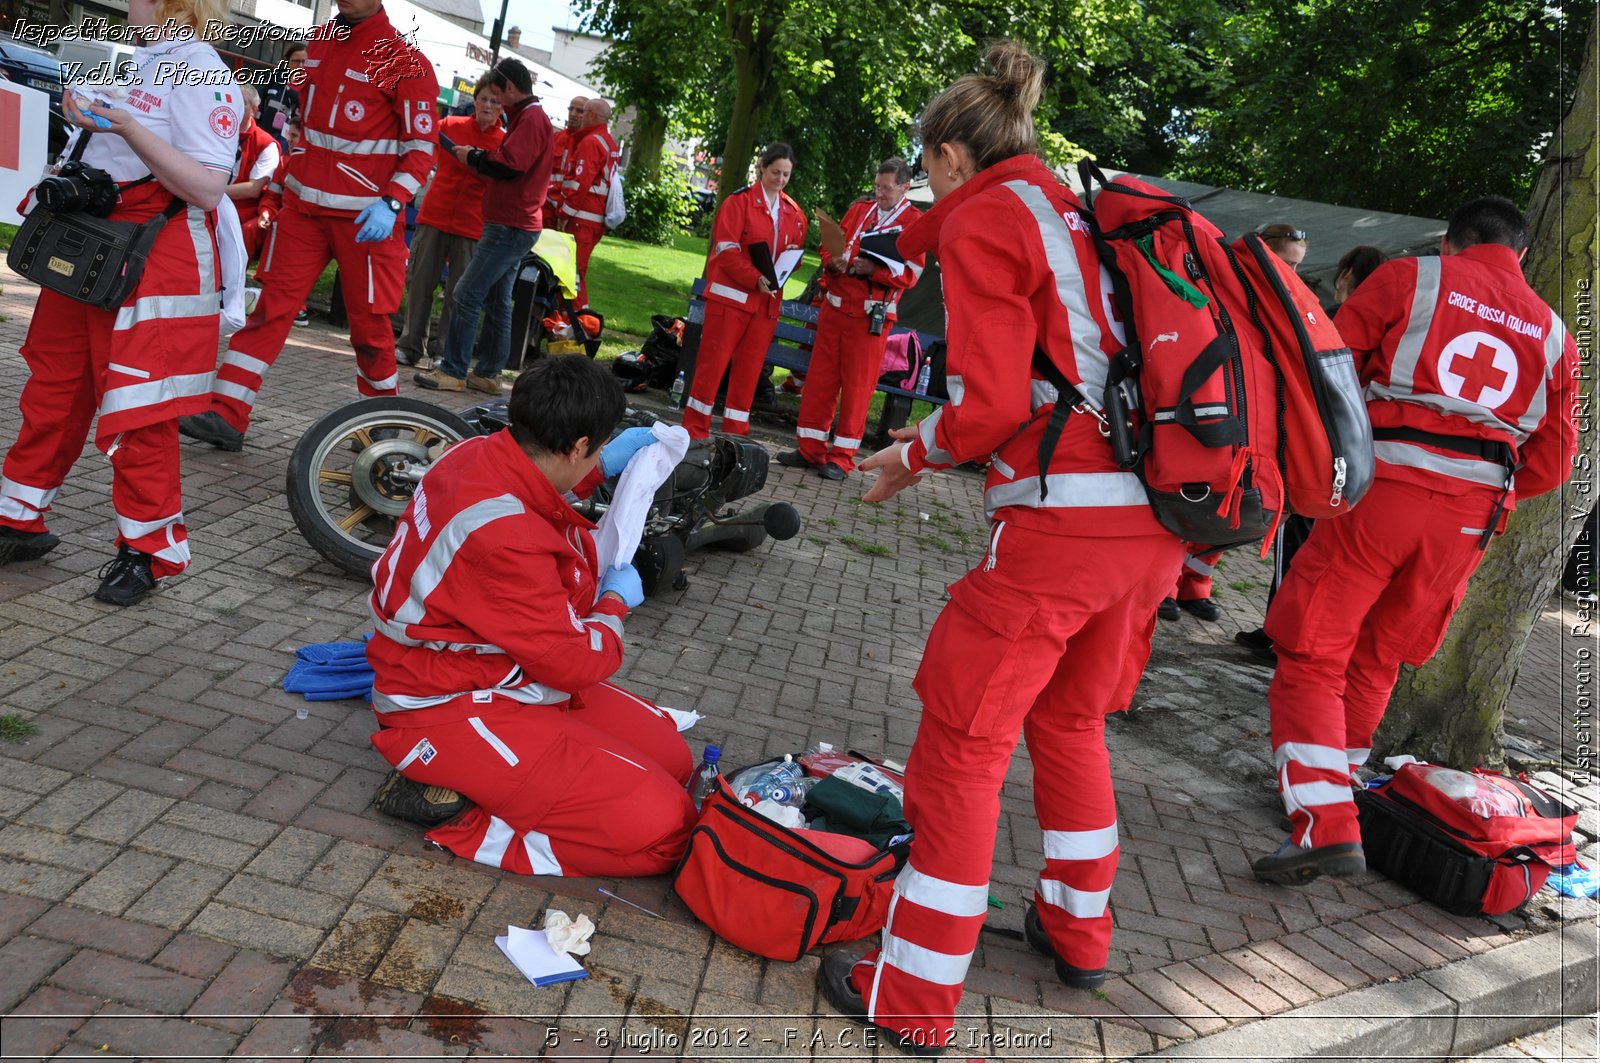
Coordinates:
[331,680]
[329,652]
[1574,880]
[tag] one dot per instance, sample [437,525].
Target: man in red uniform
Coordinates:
[565,140]
[368,125]
[496,634]
[1468,375]
[448,225]
[859,307]
[584,188]
[258,161]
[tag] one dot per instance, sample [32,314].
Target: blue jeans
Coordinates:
[485,288]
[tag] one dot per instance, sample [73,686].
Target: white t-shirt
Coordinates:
[184,93]
[266,162]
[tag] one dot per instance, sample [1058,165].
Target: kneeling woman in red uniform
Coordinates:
[1051,631]
[741,304]
[141,366]
[496,633]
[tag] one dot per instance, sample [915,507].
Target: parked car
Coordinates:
[37,69]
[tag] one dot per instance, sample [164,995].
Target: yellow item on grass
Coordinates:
[560,252]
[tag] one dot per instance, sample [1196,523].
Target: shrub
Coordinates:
[657,210]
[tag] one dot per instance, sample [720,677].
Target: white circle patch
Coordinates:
[424,122]
[354,111]
[1479,368]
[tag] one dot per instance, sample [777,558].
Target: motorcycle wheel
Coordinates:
[659,560]
[353,472]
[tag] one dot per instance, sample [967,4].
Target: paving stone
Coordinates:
[44,1021]
[38,880]
[125,1032]
[247,829]
[291,855]
[68,805]
[277,899]
[190,845]
[179,894]
[253,930]
[124,816]
[417,956]
[24,962]
[78,926]
[196,957]
[243,990]
[139,984]
[49,847]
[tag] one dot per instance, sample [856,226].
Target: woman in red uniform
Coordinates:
[141,366]
[1051,631]
[741,304]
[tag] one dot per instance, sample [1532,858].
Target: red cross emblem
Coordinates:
[223,123]
[1478,368]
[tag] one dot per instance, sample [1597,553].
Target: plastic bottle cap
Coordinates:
[713,754]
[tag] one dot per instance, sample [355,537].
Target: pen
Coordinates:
[629,903]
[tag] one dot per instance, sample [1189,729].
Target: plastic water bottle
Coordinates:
[780,783]
[704,779]
[676,394]
[925,377]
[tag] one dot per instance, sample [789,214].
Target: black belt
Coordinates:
[1497,451]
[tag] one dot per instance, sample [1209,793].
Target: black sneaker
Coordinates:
[407,799]
[830,471]
[1168,609]
[1204,608]
[833,978]
[127,579]
[303,318]
[1255,640]
[25,546]
[1071,977]
[1293,866]
[209,427]
[792,459]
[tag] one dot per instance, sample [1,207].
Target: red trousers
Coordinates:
[1194,578]
[1044,639]
[300,248]
[587,236]
[593,791]
[1368,591]
[729,335]
[845,360]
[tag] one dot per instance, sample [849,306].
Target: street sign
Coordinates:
[24,133]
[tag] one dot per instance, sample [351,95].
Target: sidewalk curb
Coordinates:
[1451,1011]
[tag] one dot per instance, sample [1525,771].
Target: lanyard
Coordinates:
[855,241]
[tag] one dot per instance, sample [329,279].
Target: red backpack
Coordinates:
[1234,397]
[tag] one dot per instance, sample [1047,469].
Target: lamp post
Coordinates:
[494,38]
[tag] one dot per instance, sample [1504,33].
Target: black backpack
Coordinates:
[655,365]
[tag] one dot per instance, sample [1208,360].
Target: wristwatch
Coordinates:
[394,204]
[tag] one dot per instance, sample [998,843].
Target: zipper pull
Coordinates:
[1338,482]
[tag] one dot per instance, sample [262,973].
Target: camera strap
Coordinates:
[76,155]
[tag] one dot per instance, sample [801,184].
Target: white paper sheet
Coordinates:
[530,952]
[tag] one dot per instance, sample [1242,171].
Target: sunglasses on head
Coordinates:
[1284,234]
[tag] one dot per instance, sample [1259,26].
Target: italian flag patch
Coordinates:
[223,97]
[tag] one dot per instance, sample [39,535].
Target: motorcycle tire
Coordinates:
[659,561]
[354,471]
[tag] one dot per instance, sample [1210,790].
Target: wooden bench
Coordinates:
[791,350]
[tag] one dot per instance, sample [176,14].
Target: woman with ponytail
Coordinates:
[1051,630]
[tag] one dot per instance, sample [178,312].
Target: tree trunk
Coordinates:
[649,141]
[1451,711]
[753,28]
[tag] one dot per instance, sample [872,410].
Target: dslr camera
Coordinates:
[78,187]
[877,317]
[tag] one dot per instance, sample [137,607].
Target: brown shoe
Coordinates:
[438,380]
[490,384]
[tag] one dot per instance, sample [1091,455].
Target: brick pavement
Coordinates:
[190,870]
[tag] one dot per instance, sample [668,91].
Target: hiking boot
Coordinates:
[1168,609]
[1204,608]
[830,471]
[792,459]
[426,806]
[25,546]
[209,427]
[1293,866]
[833,978]
[1255,640]
[493,385]
[126,579]
[1071,977]
[439,380]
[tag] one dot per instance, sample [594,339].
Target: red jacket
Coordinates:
[487,592]
[368,118]
[1020,270]
[454,203]
[519,169]
[849,293]
[252,142]
[743,220]
[560,155]
[586,179]
[1459,345]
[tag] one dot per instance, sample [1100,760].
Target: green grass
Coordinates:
[861,546]
[1241,585]
[14,728]
[8,233]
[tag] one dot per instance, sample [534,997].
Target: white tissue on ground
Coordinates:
[683,719]
[567,934]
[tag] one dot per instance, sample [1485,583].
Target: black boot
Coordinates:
[209,427]
[25,546]
[1071,977]
[833,978]
[407,799]
[126,580]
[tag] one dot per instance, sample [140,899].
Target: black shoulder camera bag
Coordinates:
[81,255]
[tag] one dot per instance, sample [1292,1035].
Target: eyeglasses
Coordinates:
[1283,234]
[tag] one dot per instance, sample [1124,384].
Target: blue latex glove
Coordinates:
[615,454]
[374,223]
[624,582]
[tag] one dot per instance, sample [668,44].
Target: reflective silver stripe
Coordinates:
[834,300]
[1199,411]
[916,270]
[1084,904]
[1001,467]
[176,552]
[956,388]
[1312,794]
[356,75]
[1043,393]
[494,740]
[812,433]
[1358,757]
[1411,456]
[1080,844]
[605,620]
[408,146]
[248,362]
[1554,347]
[135,529]
[699,407]
[319,139]
[596,641]
[235,391]
[1310,755]
[570,185]
[1072,289]
[154,392]
[925,432]
[407,182]
[37,497]
[1446,404]
[205,256]
[846,442]
[527,694]
[1403,373]
[388,383]
[940,968]
[726,245]
[496,840]
[430,572]
[333,201]
[356,175]
[726,292]
[1068,490]
[941,895]
[10,507]
[1194,564]
[584,215]
[737,416]
[541,858]
[153,307]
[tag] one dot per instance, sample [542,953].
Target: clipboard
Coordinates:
[776,272]
[883,247]
[833,241]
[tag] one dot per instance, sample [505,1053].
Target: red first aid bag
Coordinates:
[778,892]
[1474,843]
